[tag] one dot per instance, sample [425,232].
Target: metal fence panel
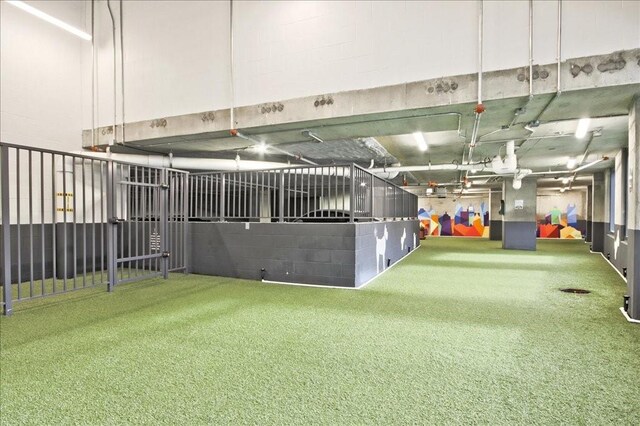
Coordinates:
[297,194]
[71,221]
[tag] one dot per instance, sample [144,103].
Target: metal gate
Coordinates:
[72,221]
[148,222]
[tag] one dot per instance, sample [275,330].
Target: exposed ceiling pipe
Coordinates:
[479,107]
[232,124]
[185,163]
[113,31]
[312,135]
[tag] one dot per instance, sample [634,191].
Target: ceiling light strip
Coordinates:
[50,19]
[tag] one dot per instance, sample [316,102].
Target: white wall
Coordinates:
[176,53]
[176,60]
[40,78]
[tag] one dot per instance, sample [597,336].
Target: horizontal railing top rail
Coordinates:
[86,156]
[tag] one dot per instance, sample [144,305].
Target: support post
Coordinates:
[495,218]
[6,231]
[632,187]
[519,220]
[598,207]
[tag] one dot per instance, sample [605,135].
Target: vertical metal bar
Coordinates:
[6,230]
[185,226]
[54,219]
[18,234]
[122,188]
[129,201]
[42,239]
[64,218]
[75,223]
[281,196]
[295,193]
[111,229]
[30,223]
[84,225]
[136,204]
[162,192]
[93,223]
[352,196]
[223,177]
[103,201]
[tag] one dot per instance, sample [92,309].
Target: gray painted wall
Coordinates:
[307,253]
[519,225]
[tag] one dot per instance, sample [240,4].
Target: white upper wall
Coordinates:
[177,53]
[40,78]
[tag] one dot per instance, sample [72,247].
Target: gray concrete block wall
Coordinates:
[307,253]
[335,254]
[375,247]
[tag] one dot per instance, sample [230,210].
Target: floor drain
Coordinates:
[575,290]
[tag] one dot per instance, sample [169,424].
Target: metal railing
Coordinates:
[345,193]
[72,221]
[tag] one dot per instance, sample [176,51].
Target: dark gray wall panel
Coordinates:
[289,252]
[633,273]
[597,236]
[82,237]
[519,235]
[495,230]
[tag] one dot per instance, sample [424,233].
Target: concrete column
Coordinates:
[495,218]
[633,192]
[519,220]
[587,236]
[598,206]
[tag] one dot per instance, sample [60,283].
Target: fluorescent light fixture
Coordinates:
[50,19]
[473,171]
[583,127]
[565,180]
[468,184]
[429,191]
[571,163]
[563,189]
[261,148]
[422,144]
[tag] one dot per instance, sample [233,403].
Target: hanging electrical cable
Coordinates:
[122,68]
[93,77]
[232,124]
[113,30]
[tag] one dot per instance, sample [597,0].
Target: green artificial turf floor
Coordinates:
[459,332]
